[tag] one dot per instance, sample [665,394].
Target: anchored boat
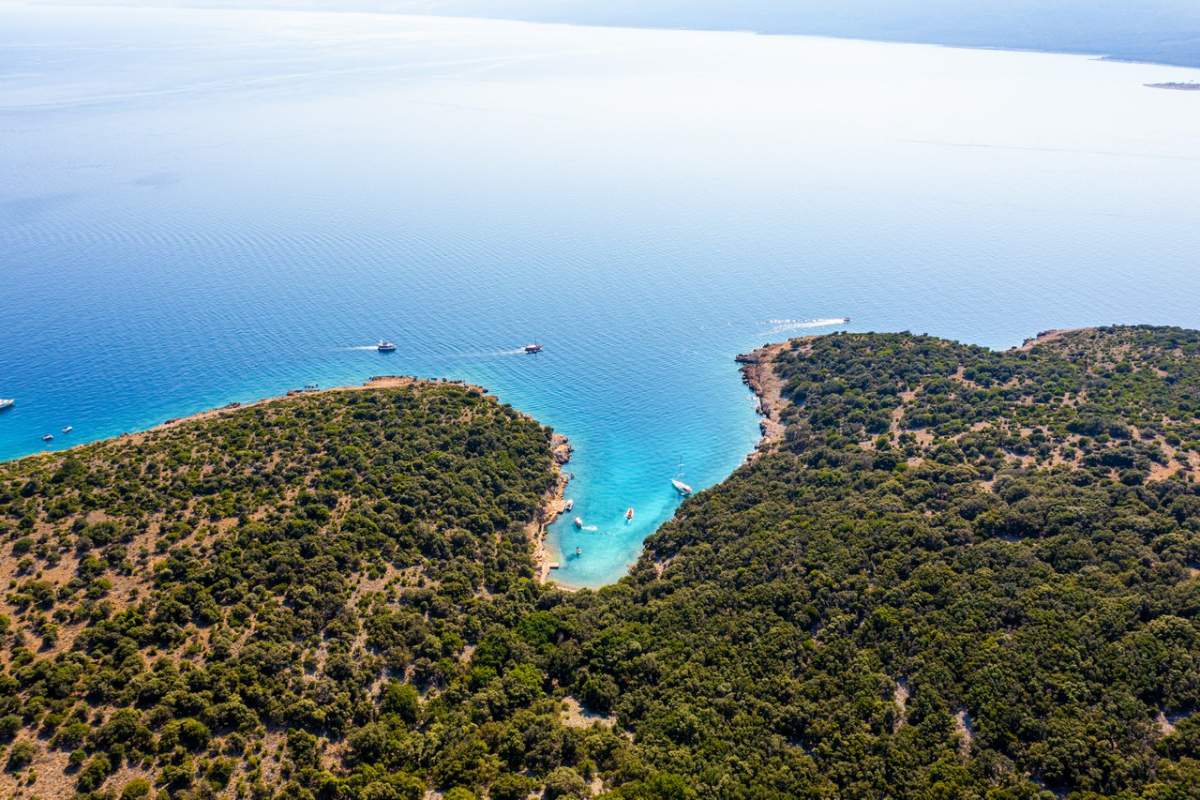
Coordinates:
[6,402]
[629,514]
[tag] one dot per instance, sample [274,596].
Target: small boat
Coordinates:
[570,505]
[68,429]
[49,437]
[578,522]
[6,402]
[629,514]
[533,348]
[578,552]
[385,346]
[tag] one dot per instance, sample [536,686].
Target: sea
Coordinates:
[203,206]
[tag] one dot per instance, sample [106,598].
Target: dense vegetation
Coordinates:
[961,574]
[232,605]
[964,574]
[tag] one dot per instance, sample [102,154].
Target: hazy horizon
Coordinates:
[1164,31]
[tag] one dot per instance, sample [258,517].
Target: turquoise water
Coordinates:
[198,207]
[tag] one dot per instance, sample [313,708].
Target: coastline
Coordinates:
[553,504]
[758,373]
[1049,335]
[537,529]
[374,382]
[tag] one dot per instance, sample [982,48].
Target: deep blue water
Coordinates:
[198,207]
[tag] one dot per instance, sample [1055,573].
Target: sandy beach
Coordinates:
[555,503]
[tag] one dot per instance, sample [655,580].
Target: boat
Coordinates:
[6,402]
[68,429]
[49,437]
[681,487]
[385,346]
[570,505]
[533,348]
[578,522]
[629,514]
[578,552]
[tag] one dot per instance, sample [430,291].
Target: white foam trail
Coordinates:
[592,528]
[781,325]
[361,347]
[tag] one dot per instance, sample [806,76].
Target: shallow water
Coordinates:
[198,207]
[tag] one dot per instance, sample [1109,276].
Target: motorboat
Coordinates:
[385,346]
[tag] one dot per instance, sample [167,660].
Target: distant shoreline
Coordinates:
[1177,86]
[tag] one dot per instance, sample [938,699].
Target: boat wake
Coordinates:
[590,528]
[361,347]
[782,325]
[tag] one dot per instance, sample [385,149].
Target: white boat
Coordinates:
[578,522]
[6,402]
[681,487]
[570,505]
[49,437]
[385,346]
[68,429]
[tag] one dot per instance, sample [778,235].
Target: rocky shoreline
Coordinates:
[758,372]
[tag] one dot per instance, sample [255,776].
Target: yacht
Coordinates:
[570,505]
[68,429]
[681,487]
[533,348]
[385,346]
[49,437]
[6,402]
